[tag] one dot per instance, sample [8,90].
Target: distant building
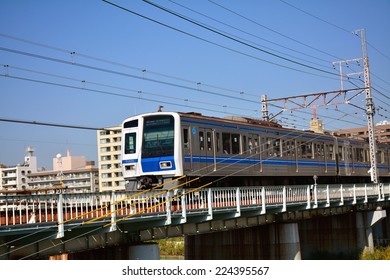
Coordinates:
[382,132]
[69,162]
[317,125]
[109,157]
[74,173]
[84,178]
[15,178]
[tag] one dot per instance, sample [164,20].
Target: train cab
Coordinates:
[151,150]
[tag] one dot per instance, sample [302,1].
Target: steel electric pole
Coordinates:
[370,108]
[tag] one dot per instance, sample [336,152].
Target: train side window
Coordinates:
[268,147]
[303,150]
[286,148]
[250,145]
[257,147]
[201,140]
[340,153]
[185,138]
[276,148]
[306,150]
[218,142]
[330,152]
[320,150]
[235,143]
[293,148]
[359,156]
[130,143]
[366,155]
[226,143]
[244,150]
[379,157]
[208,139]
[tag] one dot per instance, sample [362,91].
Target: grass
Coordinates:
[380,253]
[171,248]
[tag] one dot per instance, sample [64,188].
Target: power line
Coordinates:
[309,14]
[236,40]
[213,43]
[143,70]
[272,30]
[112,93]
[139,92]
[332,24]
[52,124]
[119,73]
[255,36]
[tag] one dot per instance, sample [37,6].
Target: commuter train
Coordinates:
[236,151]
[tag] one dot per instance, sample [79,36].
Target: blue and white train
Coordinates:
[161,146]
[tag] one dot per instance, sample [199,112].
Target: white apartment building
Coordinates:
[109,157]
[15,178]
[81,180]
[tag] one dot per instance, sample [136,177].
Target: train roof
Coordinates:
[234,119]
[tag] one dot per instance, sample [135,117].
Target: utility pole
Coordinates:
[370,108]
[340,63]
[264,107]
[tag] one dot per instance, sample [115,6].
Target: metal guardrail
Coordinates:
[120,205]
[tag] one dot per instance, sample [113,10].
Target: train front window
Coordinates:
[130,143]
[158,136]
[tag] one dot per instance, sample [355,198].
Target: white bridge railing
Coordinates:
[113,207]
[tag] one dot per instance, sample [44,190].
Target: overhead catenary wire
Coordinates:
[348,32]
[237,40]
[111,94]
[115,63]
[224,47]
[258,37]
[85,83]
[110,71]
[272,30]
[332,24]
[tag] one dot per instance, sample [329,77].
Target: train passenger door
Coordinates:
[187,149]
[348,158]
[252,152]
[289,152]
[319,151]
[206,151]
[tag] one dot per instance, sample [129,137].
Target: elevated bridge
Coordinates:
[41,225]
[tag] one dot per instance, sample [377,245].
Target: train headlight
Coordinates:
[165,164]
[130,167]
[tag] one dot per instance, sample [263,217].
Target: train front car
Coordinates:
[151,150]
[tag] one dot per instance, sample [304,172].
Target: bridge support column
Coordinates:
[364,223]
[286,242]
[145,251]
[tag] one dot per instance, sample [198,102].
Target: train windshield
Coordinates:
[158,136]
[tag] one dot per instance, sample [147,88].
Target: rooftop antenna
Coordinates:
[160,108]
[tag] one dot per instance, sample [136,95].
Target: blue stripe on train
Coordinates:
[231,160]
[129,161]
[153,164]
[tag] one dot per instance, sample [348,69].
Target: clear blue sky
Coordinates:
[131,65]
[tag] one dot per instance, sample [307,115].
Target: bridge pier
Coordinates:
[145,251]
[364,226]
[285,239]
[271,241]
